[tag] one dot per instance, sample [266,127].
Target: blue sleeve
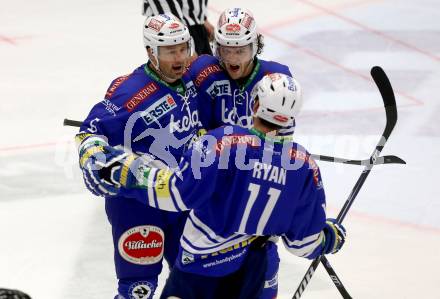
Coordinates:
[108,118]
[305,237]
[202,71]
[179,190]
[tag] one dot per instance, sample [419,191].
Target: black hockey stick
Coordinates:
[390,159]
[386,90]
[72,123]
[380,160]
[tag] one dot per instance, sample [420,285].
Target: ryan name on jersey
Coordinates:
[269,173]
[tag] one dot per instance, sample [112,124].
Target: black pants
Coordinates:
[246,283]
[201,42]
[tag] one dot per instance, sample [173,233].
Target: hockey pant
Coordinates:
[246,283]
[142,236]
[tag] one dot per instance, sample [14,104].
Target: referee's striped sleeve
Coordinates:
[157,7]
[191,12]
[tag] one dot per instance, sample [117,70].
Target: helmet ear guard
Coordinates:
[279,97]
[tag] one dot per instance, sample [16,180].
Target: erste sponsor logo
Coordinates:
[219,88]
[160,108]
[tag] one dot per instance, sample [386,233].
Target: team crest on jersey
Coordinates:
[186,123]
[160,108]
[219,88]
[142,245]
[141,290]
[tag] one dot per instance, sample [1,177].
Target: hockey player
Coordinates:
[227,79]
[152,110]
[224,84]
[239,184]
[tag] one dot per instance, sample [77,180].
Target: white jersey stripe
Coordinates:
[174,191]
[299,243]
[306,250]
[150,179]
[274,195]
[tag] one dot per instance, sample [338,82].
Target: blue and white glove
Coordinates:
[94,156]
[335,235]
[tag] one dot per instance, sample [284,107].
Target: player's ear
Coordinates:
[151,57]
[256,105]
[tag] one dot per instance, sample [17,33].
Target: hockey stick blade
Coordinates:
[389,101]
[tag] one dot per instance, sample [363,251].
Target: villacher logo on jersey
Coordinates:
[142,245]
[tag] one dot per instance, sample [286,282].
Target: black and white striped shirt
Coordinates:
[191,12]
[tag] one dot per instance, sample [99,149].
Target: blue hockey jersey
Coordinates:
[146,115]
[222,100]
[240,183]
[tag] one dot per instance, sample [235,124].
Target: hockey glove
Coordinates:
[95,155]
[335,235]
[130,172]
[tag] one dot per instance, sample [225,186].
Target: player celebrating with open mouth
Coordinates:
[224,83]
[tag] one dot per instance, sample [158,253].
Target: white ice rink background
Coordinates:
[58,57]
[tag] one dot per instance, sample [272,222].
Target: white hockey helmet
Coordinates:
[279,98]
[236,27]
[165,30]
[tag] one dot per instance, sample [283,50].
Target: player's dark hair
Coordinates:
[260,43]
